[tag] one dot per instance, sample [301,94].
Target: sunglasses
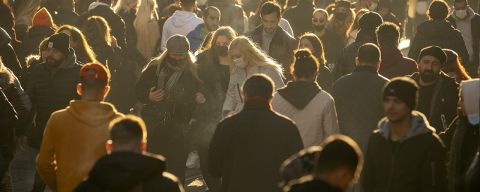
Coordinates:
[316,20]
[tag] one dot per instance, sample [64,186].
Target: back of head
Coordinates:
[438,10]
[187,3]
[269,8]
[128,131]
[388,35]
[258,85]
[97,26]
[368,54]
[82,48]
[370,21]
[94,78]
[305,64]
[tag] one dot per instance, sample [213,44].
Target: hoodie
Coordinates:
[124,171]
[311,108]
[69,152]
[414,163]
[181,22]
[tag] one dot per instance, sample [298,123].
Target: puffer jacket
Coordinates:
[394,64]
[346,58]
[9,57]
[52,89]
[281,47]
[23,124]
[417,163]
[440,33]
[30,44]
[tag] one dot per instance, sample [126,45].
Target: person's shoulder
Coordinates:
[60,115]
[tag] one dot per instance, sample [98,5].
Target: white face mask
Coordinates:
[461,14]
[240,63]
[373,6]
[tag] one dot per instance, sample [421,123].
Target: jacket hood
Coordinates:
[390,56]
[435,28]
[419,126]
[5,39]
[121,171]
[40,30]
[471,15]
[92,113]
[299,93]
[181,18]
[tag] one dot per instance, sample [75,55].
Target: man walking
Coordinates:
[211,19]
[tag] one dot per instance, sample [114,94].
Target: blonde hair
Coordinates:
[147,11]
[253,54]
[77,35]
[120,4]
[25,12]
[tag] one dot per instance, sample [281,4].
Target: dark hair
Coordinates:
[83,47]
[269,8]
[460,1]
[207,10]
[259,85]
[172,8]
[388,34]
[304,64]
[187,3]
[97,26]
[208,49]
[128,129]
[438,10]
[339,151]
[317,46]
[108,2]
[356,20]
[90,84]
[369,53]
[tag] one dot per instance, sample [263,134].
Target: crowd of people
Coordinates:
[266,95]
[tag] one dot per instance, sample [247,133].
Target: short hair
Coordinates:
[207,10]
[269,8]
[320,11]
[339,151]
[369,53]
[438,10]
[388,34]
[304,64]
[259,85]
[130,128]
[187,3]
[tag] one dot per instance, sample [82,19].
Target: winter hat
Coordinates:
[385,3]
[451,55]
[95,70]
[370,21]
[60,42]
[434,51]
[403,88]
[471,97]
[42,17]
[342,3]
[178,44]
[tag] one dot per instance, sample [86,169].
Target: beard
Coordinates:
[54,63]
[428,76]
[212,27]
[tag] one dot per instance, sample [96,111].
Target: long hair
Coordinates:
[457,67]
[208,49]
[25,12]
[147,11]
[332,23]
[158,62]
[120,3]
[355,24]
[97,26]
[317,46]
[253,54]
[82,47]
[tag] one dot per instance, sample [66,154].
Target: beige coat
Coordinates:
[147,40]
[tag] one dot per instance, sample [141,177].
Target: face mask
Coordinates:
[221,51]
[340,16]
[319,27]
[177,63]
[373,6]
[240,63]
[461,14]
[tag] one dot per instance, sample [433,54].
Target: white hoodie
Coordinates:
[181,22]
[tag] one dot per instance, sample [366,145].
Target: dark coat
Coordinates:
[131,34]
[417,163]
[63,16]
[248,148]
[444,101]
[52,89]
[114,21]
[30,44]
[105,53]
[14,96]
[324,78]
[125,171]
[358,99]
[346,58]
[394,64]
[440,33]
[8,119]
[314,185]
[9,57]
[8,21]
[281,47]
[332,44]
[299,17]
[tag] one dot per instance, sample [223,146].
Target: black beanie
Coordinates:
[434,51]
[60,42]
[403,88]
[370,21]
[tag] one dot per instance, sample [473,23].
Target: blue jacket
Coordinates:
[195,38]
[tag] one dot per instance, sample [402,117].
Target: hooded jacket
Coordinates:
[417,163]
[195,38]
[69,152]
[394,64]
[181,22]
[124,171]
[312,110]
[440,33]
[9,57]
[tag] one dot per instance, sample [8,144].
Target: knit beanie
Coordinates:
[60,42]
[343,3]
[370,21]
[42,17]
[178,44]
[434,51]
[403,88]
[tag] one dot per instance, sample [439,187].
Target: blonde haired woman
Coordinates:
[246,59]
[147,28]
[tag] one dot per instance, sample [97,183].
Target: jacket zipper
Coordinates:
[391,167]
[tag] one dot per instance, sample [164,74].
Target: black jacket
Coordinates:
[358,99]
[125,171]
[332,44]
[314,185]
[63,16]
[114,21]
[9,57]
[7,83]
[299,17]
[324,78]
[8,119]
[52,89]
[346,58]
[440,33]
[131,34]
[416,163]
[30,44]
[443,106]
[248,148]
[105,54]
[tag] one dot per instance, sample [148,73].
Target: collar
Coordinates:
[258,100]
[266,34]
[365,68]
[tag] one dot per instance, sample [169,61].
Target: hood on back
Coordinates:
[121,171]
[92,113]
[299,93]
[471,15]
[5,39]
[181,18]
[419,126]
[435,28]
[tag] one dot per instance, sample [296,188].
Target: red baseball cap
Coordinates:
[95,70]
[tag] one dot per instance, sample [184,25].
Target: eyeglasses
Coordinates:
[316,20]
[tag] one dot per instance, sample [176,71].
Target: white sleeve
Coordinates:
[275,76]
[163,44]
[330,121]
[286,26]
[230,102]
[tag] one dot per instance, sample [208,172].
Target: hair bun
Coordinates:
[303,54]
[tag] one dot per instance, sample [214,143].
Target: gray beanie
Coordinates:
[178,44]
